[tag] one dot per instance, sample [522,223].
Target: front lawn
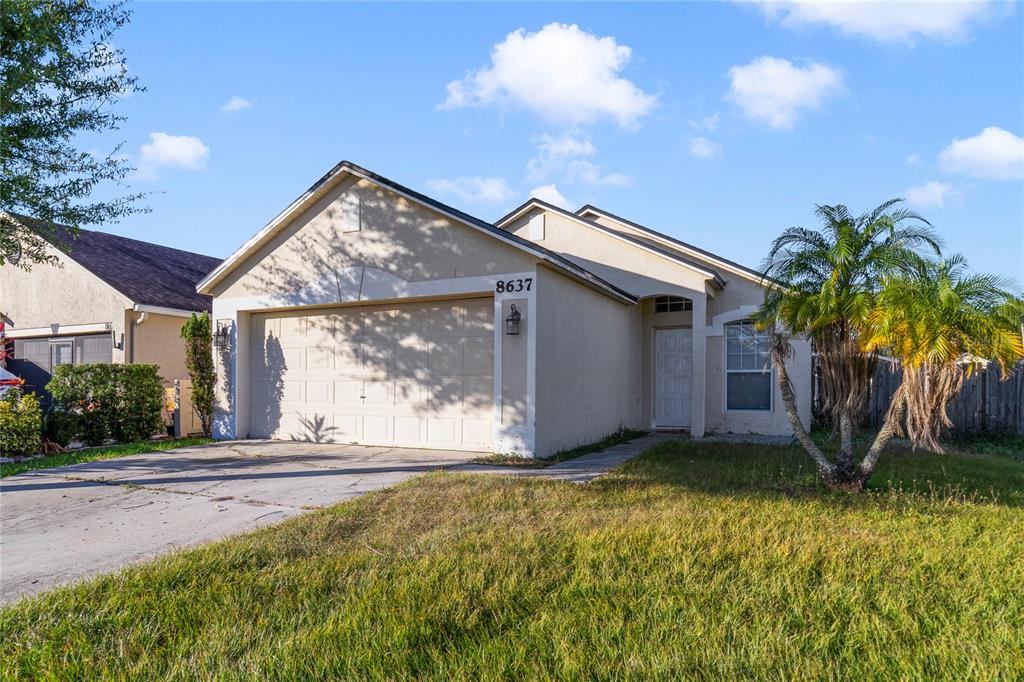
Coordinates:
[706,561]
[93,454]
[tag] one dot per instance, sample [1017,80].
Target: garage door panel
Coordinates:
[411,374]
[346,428]
[410,430]
[318,392]
[377,394]
[410,394]
[478,356]
[445,356]
[441,431]
[478,318]
[319,358]
[477,393]
[348,393]
[443,321]
[376,429]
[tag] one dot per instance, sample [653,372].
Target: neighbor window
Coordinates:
[672,304]
[748,368]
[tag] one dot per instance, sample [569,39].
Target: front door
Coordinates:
[673,377]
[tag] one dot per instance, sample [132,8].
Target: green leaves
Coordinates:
[198,335]
[61,77]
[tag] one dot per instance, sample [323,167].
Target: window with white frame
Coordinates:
[748,368]
[672,304]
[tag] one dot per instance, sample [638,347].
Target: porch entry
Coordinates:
[673,377]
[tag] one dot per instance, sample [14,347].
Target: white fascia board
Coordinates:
[161,310]
[59,330]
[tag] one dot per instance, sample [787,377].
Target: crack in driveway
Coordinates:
[128,485]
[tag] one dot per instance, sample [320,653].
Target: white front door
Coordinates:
[673,377]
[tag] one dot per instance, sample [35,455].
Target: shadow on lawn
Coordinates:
[785,471]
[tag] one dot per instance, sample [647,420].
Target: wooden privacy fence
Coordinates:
[985,403]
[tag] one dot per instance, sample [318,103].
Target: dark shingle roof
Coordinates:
[148,274]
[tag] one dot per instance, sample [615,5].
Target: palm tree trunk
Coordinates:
[845,470]
[825,468]
[890,428]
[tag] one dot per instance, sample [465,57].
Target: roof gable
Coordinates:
[675,244]
[534,203]
[325,184]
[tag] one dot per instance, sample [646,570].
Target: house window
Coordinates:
[748,368]
[672,304]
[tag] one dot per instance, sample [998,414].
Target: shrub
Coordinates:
[122,402]
[198,336]
[62,426]
[21,423]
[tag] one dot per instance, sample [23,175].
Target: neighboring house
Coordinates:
[112,299]
[369,313]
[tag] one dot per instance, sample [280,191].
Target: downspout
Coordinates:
[131,346]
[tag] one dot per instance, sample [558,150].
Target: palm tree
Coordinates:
[939,324]
[823,284]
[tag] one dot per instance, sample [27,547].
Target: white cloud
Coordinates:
[931,194]
[236,103]
[706,123]
[560,72]
[565,156]
[703,148]
[913,159]
[885,21]
[555,152]
[590,173]
[473,189]
[550,194]
[171,151]
[992,154]
[774,91]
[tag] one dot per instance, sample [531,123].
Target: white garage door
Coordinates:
[416,375]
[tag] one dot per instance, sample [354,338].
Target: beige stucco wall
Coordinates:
[157,340]
[646,274]
[623,264]
[64,295]
[588,364]
[314,259]
[402,251]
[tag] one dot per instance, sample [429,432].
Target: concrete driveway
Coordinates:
[60,525]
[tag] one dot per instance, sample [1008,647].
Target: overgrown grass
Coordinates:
[618,438]
[93,454]
[696,561]
[1004,444]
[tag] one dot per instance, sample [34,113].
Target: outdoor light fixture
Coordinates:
[512,322]
[220,337]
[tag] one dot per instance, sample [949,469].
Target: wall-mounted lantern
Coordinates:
[512,322]
[222,334]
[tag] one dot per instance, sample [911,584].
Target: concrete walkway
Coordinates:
[581,469]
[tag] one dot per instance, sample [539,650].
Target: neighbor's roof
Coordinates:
[148,274]
[330,179]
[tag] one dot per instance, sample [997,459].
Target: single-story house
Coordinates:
[367,312]
[110,299]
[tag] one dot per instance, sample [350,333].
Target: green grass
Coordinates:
[618,438]
[696,561]
[93,454]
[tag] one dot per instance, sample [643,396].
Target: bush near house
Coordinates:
[21,423]
[122,402]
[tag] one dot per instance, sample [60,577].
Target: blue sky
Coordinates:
[720,124]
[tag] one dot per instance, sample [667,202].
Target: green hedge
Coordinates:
[122,402]
[21,423]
